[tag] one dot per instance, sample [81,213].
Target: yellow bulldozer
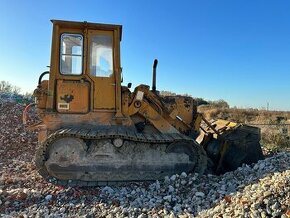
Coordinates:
[94,131]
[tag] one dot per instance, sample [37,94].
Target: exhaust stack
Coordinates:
[154,75]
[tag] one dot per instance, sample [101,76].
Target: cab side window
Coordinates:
[71,54]
[101,54]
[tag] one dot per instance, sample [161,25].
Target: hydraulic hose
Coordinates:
[25,112]
[42,75]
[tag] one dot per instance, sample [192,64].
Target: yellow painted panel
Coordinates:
[72,97]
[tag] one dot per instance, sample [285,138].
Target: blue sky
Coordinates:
[236,50]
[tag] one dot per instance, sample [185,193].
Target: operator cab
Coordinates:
[85,72]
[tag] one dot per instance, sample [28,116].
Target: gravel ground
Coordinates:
[260,190]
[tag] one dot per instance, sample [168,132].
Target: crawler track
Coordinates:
[155,141]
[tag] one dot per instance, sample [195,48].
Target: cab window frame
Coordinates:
[61,54]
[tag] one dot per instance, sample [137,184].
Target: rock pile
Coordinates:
[260,190]
[15,141]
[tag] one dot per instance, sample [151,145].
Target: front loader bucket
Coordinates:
[229,145]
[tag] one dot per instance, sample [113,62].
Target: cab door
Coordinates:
[100,68]
[72,90]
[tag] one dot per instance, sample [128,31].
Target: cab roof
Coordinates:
[85,24]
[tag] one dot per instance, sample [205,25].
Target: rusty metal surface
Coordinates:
[41,93]
[181,106]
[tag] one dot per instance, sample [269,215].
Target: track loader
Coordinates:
[94,131]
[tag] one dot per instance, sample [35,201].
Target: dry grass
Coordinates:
[243,115]
[272,135]
[273,138]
